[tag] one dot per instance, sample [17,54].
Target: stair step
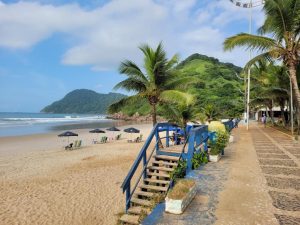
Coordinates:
[131,219]
[140,201]
[157,181]
[152,187]
[165,175]
[144,193]
[135,210]
[166,157]
[164,163]
[160,168]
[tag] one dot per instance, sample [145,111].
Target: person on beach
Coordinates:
[264,120]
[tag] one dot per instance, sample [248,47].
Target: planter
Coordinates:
[177,206]
[214,158]
[231,139]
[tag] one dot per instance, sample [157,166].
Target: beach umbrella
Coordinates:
[97,131]
[113,129]
[131,130]
[67,134]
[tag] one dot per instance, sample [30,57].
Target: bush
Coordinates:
[198,159]
[222,139]
[179,171]
[216,126]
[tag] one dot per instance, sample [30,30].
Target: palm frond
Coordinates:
[131,84]
[132,70]
[117,106]
[252,42]
[175,96]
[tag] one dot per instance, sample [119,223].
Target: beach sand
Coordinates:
[41,183]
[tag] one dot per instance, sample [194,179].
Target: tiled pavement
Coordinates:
[279,161]
[278,158]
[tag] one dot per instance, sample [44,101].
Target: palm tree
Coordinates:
[283,43]
[156,82]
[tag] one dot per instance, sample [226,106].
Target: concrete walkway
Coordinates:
[256,182]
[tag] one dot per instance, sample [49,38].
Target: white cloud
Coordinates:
[103,36]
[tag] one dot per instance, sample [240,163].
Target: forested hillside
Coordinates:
[83,101]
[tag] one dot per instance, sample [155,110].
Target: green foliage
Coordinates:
[83,101]
[199,158]
[214,83]
[180,171]
[155,81]
[222,139]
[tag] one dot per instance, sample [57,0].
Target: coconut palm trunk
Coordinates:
[153,112]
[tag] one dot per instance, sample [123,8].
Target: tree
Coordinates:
[156,82]
[283,24]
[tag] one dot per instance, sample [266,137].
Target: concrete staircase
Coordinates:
[157,182]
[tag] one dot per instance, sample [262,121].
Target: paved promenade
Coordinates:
[257,182]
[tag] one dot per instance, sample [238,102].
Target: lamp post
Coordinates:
[249,5]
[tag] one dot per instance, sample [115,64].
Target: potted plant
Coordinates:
[180,196]
[222,139]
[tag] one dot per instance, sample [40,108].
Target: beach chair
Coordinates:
[105,139]
[78,144]
[69,146]
[139,139]
[118,137]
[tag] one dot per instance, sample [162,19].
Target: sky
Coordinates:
[51,47]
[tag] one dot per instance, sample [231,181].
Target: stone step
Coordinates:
[166,157]
[140,201]
[130,219]
[154,188]
[157,181]
[144,193]
[163,163]
[160,168]
[165,175]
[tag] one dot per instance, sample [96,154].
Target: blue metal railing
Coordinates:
[142,156]
[197,137]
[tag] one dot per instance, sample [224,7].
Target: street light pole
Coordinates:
[249,71]
[249,5]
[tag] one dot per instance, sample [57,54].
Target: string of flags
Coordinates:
[248,4]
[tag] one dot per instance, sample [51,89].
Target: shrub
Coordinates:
[179,171]
[216,126]
[198,159]
[222,139]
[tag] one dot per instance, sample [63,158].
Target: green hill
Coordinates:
[83,101]
[218,85]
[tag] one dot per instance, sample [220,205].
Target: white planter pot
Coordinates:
[214,158]
[178,206]
[231,138]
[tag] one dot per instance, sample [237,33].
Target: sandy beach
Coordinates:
[41,183]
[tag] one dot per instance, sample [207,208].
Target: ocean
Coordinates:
[15,124]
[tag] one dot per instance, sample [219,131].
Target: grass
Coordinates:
[181,188]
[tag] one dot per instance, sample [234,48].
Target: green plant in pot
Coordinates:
[222,139]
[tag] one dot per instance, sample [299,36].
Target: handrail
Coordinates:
[144,168]
[142,153]
[138,159]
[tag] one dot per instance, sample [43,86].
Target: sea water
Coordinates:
[13,124]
